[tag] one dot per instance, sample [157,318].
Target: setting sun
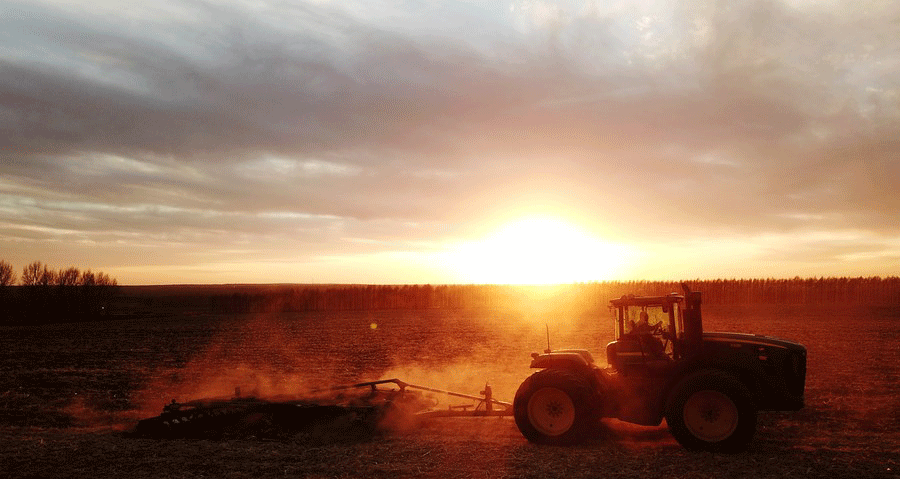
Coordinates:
[538,250]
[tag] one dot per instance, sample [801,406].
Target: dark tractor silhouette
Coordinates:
[707,386]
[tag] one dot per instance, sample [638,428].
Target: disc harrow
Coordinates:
[363,407]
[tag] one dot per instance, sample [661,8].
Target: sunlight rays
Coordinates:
[538,250]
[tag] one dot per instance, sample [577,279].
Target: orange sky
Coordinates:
[450,141]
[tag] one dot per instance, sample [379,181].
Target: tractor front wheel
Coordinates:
[556,406]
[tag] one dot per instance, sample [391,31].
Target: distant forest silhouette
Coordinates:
[570,297]
[43,295]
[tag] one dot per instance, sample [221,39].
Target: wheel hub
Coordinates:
[710,415]
[554,409]
[551,411]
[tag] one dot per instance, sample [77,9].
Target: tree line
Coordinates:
[43,295]
[576,297]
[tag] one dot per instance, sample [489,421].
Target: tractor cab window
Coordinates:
[679,323]
[646,320]
[649,326]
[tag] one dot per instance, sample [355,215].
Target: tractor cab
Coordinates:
[652,332]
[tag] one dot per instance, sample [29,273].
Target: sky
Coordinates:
[442,141]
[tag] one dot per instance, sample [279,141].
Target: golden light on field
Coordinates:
[538,250]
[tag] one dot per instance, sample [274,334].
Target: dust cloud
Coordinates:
[280,357]
[255,359]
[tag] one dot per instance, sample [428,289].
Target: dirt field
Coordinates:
[68,391]
[466,448]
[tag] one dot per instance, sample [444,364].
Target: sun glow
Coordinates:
[543,250]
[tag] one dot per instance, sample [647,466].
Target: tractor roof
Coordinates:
[632,300]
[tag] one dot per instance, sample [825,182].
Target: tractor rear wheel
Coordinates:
[712,411]
[556,406]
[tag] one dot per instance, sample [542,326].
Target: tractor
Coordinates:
[708,386]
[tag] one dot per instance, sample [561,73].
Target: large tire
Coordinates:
[556,406]
[712,411]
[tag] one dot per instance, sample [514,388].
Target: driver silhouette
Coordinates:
[643,325]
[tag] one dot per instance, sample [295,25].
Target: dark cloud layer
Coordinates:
[307,125]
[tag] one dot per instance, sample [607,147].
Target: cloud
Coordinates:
[216,123]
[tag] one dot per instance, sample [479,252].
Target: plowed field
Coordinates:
[68,391]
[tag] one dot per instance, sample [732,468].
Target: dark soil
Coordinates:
[443,448]
[69,392]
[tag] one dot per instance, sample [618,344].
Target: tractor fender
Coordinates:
[544,361]
[575,360]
